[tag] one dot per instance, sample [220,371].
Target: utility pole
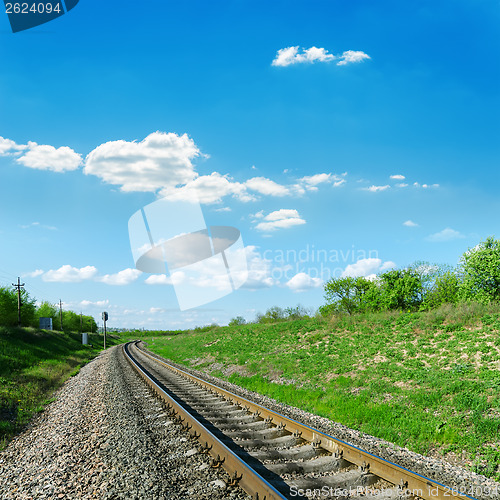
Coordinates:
[60,313]
[18,286]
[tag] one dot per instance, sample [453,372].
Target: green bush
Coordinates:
[480,272]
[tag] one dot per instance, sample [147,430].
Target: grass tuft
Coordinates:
[33,364]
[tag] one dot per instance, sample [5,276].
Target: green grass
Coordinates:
[426,381]
[34,363]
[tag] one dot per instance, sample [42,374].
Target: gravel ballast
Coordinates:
[105,436]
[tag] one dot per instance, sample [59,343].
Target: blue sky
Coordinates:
[338,137]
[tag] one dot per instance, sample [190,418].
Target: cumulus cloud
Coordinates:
[352,56]
[161,160]
[9,147]
[425,186]
[33,274]
[45,157]
[302,282]
[121,278]
[41,156]
[208,189]
[447,234]
[291,55]
[376,189]
[410,223]
[259,270]
[398,177]
[266,186]
[279,219]
[176,278]
[311,182]
[155,310]
[84,304]
[295,55]
[70,274]
[367,267]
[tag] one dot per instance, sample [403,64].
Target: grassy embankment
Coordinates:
[427,381]
[33,364]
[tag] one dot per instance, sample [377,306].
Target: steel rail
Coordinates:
[240,472]
[421,486]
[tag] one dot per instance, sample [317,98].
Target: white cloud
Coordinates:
[161,160]
[176,278]
[376,189]
[302,281]
[279,219]
[208,189]
[447,234]
[155,310]
[291,55]
[45,157]
[283,213]
[410,223]
[311,181]
[121,278]
[352,56]
[33,274]
[387,265]
[259,270]
[212,188]
[41,156]
[69,274]
[367,268]
[398,177]
[402,185]
[9,148]
[89,303]
[37,224]
[425,186]
[266,186]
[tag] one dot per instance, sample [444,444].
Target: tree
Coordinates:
[296,312]
[8,308]
[444,291]
[272,315]
[479,269]
[401,289]
[238,320]
[350,294]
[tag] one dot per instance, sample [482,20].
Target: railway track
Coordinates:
[270,455]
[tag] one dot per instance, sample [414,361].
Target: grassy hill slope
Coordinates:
[427,381]
[33,364]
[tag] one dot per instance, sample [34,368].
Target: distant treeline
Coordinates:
[421,286]
[31,313]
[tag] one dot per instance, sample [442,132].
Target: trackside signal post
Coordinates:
[105,318]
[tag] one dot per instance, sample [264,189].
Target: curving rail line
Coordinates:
[258,446]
